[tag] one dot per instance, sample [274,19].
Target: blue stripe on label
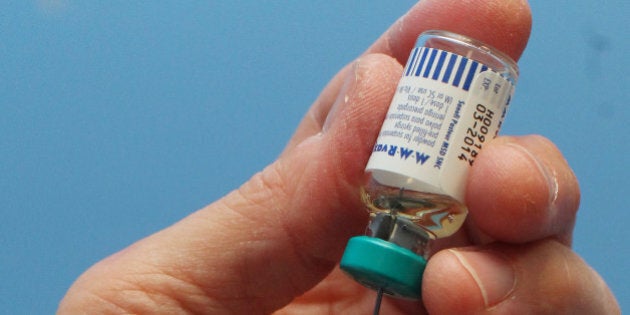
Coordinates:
[430,64]
[471,74]
[460,71]
[449,68]
[438,67]
[411,61]
[424,55]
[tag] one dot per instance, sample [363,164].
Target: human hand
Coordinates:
[274,244]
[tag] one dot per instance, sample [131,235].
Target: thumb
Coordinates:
[543,277]
[267,242]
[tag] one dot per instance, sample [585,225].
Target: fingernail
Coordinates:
[550,177]
[342,98]
[492,272]
[333,113]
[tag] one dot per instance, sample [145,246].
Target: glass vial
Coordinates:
[450,101]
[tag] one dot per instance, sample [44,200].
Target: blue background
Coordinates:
[117,118]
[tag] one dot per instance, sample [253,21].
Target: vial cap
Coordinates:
[377,263]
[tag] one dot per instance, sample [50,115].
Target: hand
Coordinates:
[274,244]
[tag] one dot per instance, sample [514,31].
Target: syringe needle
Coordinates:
[377,305]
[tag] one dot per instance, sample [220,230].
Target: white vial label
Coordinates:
[445,108]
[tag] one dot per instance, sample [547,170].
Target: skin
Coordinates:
[513,256]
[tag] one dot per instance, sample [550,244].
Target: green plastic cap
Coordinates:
[377,264]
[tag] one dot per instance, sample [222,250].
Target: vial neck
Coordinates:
[400,231]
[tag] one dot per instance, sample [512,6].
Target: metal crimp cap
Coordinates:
[382,261]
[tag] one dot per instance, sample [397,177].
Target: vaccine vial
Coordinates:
[450,101]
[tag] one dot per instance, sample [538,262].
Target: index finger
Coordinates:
[504,25]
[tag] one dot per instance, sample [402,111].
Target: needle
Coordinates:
[379,297]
